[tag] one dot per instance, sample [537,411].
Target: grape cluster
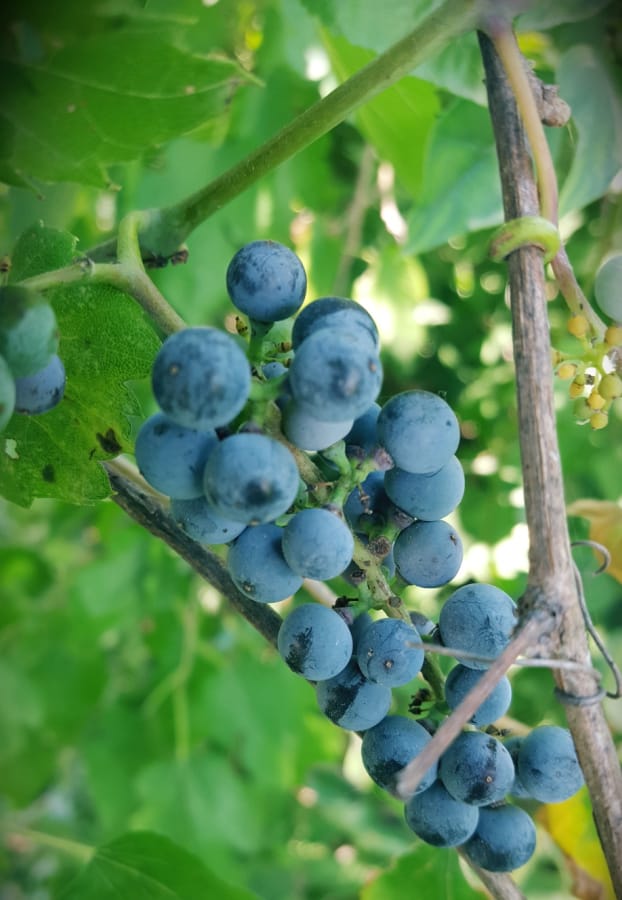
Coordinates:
[277,447]
[595,375]
[32,376]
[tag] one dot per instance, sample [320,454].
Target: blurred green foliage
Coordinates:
[131,698]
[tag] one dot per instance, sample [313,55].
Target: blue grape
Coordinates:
[266,281]
[363,433]
[171,458]
[419,430]
[317,544]
[28,330]
[201,378]
[315,642]
[607,287]
[335,376]
[548,767]
[479,619]
[308,432]
[389,746]
[385,654]
[257,566]
[513,745]
[426,497]
[428,554]
[439,819]
[335,313]
[38,393]
[351,701]
[202,523]
[367,503]
[505,839]
[251,478]
[7,393]
[476,768]
[461,680]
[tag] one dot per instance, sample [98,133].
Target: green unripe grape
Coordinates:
[7,393]
[28,330]
[608,287]
[610,386]
[581,410]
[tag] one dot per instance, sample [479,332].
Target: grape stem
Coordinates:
[127,275]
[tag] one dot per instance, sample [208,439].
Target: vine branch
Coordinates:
[552,590]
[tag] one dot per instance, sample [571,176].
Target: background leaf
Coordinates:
[146,866]
[73,115]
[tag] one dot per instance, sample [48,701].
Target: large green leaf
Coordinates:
[105,342]
[597,115]
[398,121]
[436,873]
[105,99]
[147,866]
[461,190]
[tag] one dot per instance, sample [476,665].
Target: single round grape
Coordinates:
[608,287]
[428,554]
[171,458]
[461,680]
[476,768]
[274,369]
[351,701]
[317,544]
[439,819]
[201,378]
[315,642]
[426,497]
[548,766]
[251,478]
[513,745]
[479,619]
[363,433]
[334,312]
[7,393]
[202,523]
[385,654]
[366,503]
[419,430]
[389,746]
[38,393]
[28,330]
[309,433]
[266,281]
[504,840]
[257,565]
[335,376]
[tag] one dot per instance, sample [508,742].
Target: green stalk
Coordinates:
[168,228]
[83,853]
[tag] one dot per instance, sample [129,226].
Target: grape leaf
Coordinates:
[597,114]
[436,874]
[398,121]
[147,866]
[105,341]
[605,518]
[461,190]
[106,99]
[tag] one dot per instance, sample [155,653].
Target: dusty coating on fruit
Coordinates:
[266,281]
[480,619]
[389,746]
[477,769]
[352,702]
[419,430]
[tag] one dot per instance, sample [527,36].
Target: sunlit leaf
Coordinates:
[571,826]
[605,520]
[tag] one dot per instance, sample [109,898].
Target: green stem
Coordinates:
[505,44]
[83,853]
[171,226]
[377,584]
[431,672]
